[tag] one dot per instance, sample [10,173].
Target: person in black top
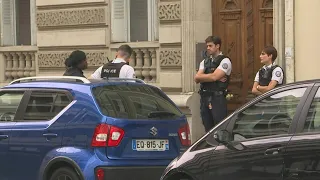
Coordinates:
[76,63]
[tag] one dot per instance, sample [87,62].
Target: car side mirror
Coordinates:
[222,136]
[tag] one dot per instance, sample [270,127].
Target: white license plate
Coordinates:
[150,145]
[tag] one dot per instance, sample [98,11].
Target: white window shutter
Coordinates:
[153,22]
[119,20]
[8,23]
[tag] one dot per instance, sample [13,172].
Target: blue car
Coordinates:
[71,128]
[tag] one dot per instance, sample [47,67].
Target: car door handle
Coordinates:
[273,151]
[50,135]
[4,137]
[294,175]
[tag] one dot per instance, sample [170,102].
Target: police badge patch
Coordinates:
[225,66]
[278,73]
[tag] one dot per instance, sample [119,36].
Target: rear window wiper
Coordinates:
[160,114]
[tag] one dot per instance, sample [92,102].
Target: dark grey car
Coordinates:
[276,136]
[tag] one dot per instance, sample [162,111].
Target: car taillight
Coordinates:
[115,136]
[107,135]
[184,134]
[100,174]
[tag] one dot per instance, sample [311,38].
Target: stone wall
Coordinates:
[170,40]
[64,26]
[306,36]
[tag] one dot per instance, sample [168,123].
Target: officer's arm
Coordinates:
[255,91]
[271,85]
[130,72]
[215,76]
[218,74]
[277,76]
[200,71]
[96,74]
[222,70]
[196,78]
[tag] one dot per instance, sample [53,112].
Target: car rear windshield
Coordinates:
[134,102]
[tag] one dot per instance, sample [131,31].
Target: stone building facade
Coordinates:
[38,35]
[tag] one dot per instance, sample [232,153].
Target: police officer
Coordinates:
[118,67]
[270,75]
[213,76]
[76,63]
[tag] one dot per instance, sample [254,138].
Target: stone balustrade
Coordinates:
[144,60]
[18,62]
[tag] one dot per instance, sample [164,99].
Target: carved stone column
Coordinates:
[138,68]
[289,41]
[284,36]
[278,30]
[33,13]
[146,65]
[2,67]
[196,20]
[188,45]
[153,68]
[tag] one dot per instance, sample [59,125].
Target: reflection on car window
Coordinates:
[9,103]
[270,116]
[134,102]
[45,105]
[312,123]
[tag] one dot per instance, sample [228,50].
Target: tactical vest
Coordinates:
[209,67]
[111,69]
[265,75]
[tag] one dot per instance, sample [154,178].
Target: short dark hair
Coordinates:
[270,50]
[125,50]
[214,39]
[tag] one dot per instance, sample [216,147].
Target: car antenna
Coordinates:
[107,74]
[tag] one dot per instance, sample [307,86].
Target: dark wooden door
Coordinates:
[245,26]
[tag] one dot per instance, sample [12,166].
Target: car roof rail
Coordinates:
[124,79]
[54,78]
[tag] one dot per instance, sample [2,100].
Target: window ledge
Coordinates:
[142,44]
[181,100]
[18,48]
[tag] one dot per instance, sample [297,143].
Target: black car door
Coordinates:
[303,152]
[260,132]
[196,163]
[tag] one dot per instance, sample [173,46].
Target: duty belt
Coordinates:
[211,93]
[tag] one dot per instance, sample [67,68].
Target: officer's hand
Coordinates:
[223,79]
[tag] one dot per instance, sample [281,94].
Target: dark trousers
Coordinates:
[211,117]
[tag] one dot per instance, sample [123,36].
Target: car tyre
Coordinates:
[64,173]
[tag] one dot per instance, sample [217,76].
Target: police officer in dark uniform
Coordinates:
[118,67]
[76,63]
[270,75]
[213,76]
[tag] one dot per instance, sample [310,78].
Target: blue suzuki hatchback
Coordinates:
[71,128]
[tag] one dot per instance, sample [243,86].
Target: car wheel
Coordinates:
[64,173]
